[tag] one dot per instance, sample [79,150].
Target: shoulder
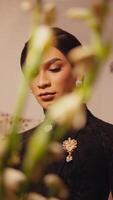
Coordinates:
[103,125]
[99,123]
[103,129]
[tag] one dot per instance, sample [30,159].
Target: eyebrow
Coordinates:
[51,61]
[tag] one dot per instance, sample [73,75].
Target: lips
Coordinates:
[48,96]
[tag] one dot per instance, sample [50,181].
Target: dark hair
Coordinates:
[65,41]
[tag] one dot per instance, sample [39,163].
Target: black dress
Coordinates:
[89,176]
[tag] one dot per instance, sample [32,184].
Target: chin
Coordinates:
[46,105]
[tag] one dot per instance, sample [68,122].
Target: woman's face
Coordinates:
[54,79]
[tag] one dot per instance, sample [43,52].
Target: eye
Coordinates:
[54,68]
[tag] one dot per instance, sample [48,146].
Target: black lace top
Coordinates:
[89,176]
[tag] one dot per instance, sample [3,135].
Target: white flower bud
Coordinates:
[35,196]
[26,5]
[42,37]
[68,110]
[13,178]
[79,13]
[65,108]
[56,183]
[79,119]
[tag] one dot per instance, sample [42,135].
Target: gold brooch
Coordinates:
[69,145]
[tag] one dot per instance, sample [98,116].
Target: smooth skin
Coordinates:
[54,79]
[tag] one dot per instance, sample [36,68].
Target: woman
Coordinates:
[89,174]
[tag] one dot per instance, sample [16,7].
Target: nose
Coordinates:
[43,80]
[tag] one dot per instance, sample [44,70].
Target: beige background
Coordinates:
[14,31]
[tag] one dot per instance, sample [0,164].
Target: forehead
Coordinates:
[53,53]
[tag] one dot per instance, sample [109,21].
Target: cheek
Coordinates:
[33,87]
[64,80]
